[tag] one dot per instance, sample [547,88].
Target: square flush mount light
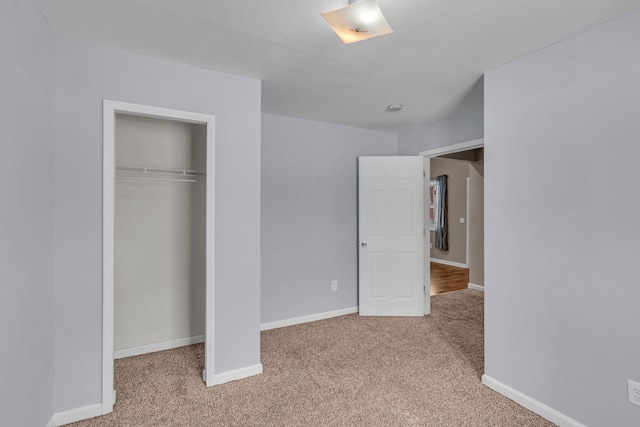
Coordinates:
[361,20]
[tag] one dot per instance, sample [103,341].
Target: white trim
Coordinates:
[78,414]
[158,346]
[531,404]
[451,263]
[467,221]
[476,287]
[455,148]
[426,239]
[51,422]
[108,257]
[210,245]
[237,374]
[109,110]
[305,319]
[158,112]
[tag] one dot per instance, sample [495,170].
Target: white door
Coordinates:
[391,259]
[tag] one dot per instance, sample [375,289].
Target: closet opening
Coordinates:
[158,234]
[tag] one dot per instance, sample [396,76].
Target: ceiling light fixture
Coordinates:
[360,20]
[394,107]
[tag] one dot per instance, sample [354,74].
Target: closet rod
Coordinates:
[158,171]
[156,179]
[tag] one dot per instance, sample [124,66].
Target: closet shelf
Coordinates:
[158,174]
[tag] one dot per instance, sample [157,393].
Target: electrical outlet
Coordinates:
[334,285]
[634,392]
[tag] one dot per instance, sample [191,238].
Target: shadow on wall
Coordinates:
[470,98]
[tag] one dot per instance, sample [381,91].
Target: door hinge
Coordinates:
[424,174]
[424,231]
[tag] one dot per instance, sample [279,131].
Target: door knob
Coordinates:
[363,244]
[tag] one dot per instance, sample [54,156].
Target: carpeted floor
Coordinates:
[345,371]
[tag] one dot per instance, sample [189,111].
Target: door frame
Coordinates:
[467,213]
[110,109]
[449,149]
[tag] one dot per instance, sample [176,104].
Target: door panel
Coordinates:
[391,247]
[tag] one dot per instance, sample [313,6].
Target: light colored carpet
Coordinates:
[345,371]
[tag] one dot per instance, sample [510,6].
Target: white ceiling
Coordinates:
[433,63]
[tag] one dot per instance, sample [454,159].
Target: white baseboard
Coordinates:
[79,414]
[91,411]
[51,422]
[237,374]
[306,319]
[150,348]
[476,287]
[531,404]
[451,263]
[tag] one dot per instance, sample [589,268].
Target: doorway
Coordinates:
[467,263]
[205,124]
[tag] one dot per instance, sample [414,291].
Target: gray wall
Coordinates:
[461,128]
[160,230]
[562,250]
[457,172]
[85,76]
[309,213]
[476,224]
[27,126]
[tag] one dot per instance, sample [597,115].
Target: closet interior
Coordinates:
[160,232]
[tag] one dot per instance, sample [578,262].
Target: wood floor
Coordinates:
[445,278]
